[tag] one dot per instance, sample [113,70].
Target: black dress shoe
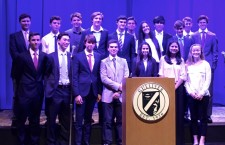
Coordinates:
[209,120]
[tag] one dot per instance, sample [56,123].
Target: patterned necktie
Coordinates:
[26,35]
[63,69]
[203,38]
[89,61]
[56,48]
[120,41]
[35,60]
[180,41]
[114,62]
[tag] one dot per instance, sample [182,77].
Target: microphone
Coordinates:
[72,51]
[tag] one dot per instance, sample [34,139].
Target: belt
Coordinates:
[64,86]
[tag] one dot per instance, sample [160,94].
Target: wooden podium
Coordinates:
[136,129]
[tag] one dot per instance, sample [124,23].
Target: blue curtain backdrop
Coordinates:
[42,10]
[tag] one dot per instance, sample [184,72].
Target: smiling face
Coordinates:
[196,51]
[159,27]
[97,21]
[113,49]
[64,42]
[145,50]
[76,22]
[202,24]
[174,48]
[25,23]
[121,25]
[145,28]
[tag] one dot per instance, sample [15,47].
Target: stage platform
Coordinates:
[215,135]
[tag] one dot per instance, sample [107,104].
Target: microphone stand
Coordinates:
[71,96]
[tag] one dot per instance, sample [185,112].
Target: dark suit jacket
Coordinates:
[83,78]
[128,50]
[30,80]
[102,48]
[139,69]
[210,49]
[187,44]
[166,37]
[52,78]
[17,45]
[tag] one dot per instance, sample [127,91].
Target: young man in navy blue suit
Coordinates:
[58,93]
[30,69]
[99,32]
[18,43]
[126,41]
[86,88]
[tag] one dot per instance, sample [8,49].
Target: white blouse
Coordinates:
[172,70]
[198,78]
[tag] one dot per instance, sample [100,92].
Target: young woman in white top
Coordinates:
[197,85]
[172,66]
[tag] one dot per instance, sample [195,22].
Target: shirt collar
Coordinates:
[182,38]
[32,52]
[93,30]
[118,32]
[28,31]
[54,34]
[87,53]
[200,30]
[111,57]
[61,52]
[158,33]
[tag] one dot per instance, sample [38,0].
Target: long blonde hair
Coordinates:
[190,59]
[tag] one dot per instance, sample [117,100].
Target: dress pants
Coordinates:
[198,110]
[115,107]
[83,119]
[179,115]
[59,105]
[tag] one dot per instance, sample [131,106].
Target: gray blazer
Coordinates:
[111,77]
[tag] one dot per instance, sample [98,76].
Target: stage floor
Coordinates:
[218,116]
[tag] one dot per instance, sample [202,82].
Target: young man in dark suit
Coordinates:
[18,43]
[160,34]
[209,43]
[30,68]
[58,93]
[126,41]
[99,32]
[86,88]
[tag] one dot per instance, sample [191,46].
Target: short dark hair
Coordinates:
[159,19]
[189,19]
[33,34]
[54,18]
[112,41]
[178,24]
[76,14]
[94,14]
[201,17]
[121,17]
[90,38]
[62,34]
[132,18]
[22,16]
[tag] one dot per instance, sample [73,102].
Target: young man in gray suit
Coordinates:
[113,70]
[209,43]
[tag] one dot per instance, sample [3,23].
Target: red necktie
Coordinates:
[89,61]
[35,60]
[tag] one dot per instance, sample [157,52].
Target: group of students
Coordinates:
[88,65]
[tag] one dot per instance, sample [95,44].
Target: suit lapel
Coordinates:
[110,64]
[30,61]
[84,58]
[22,40]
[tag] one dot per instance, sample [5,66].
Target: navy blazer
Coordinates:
[187,44]
[17,45]
[29,80]
[52,78]
[83,78]
[128,50]
[102,48]
[210,49]
[166,37]
[139,69]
